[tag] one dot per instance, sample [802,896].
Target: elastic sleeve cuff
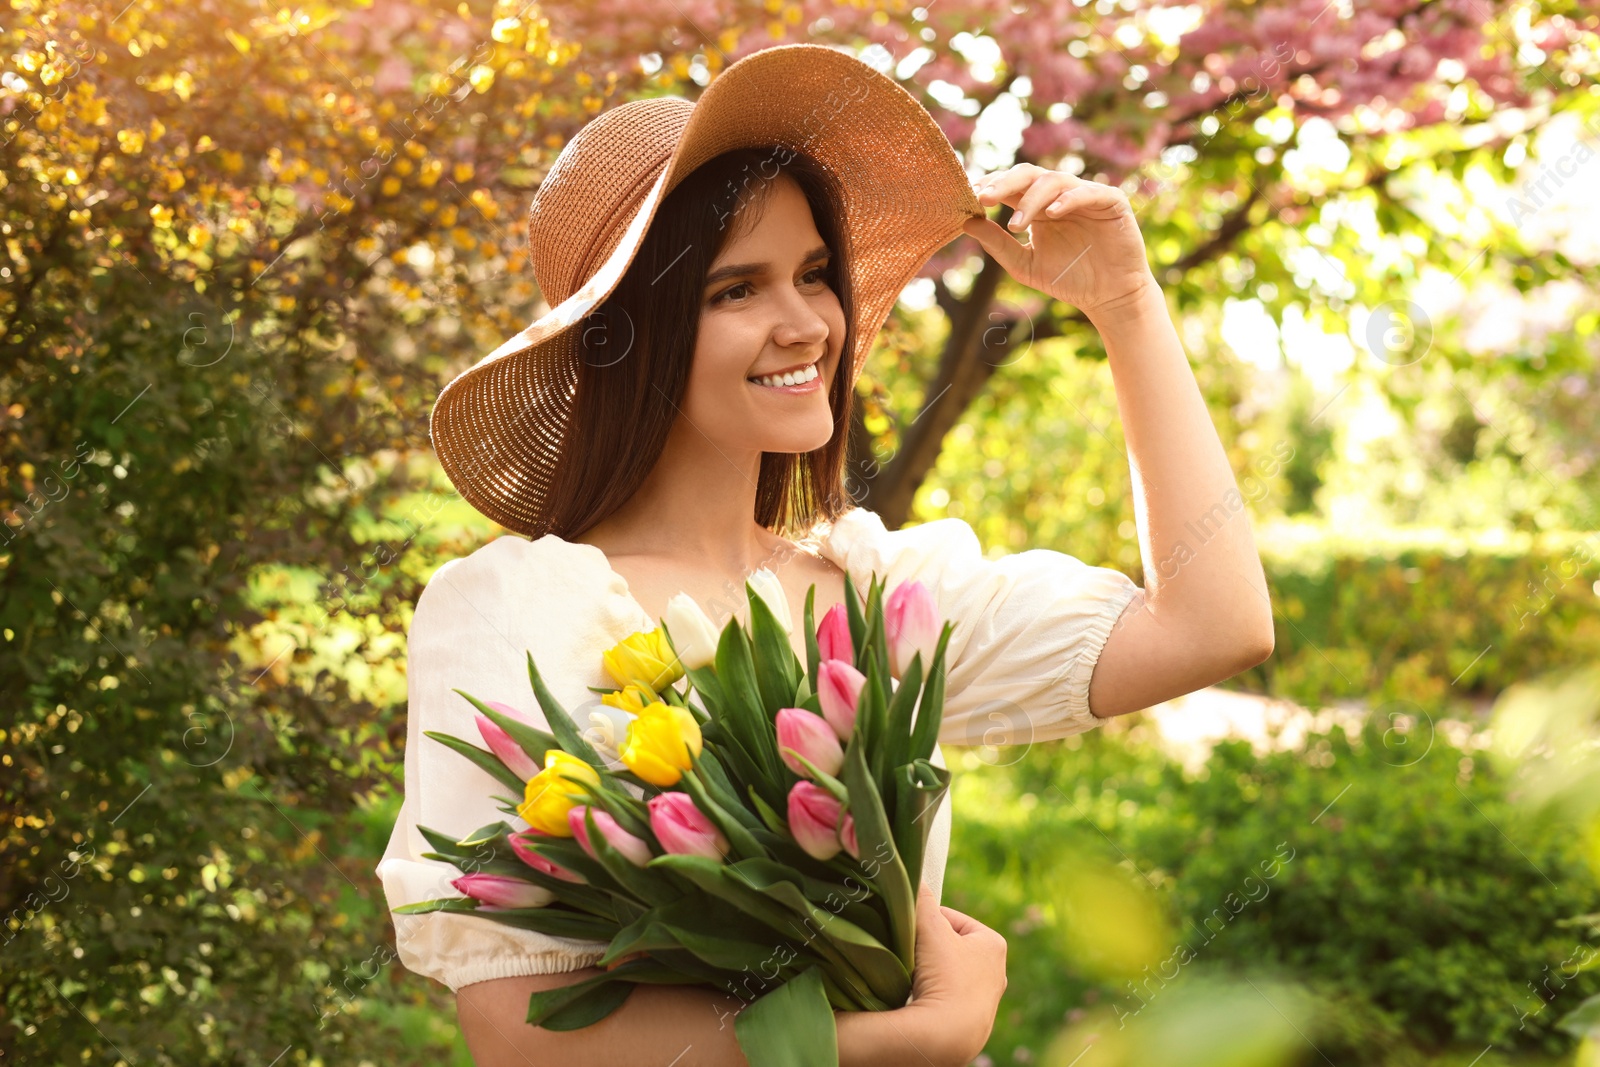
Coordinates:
[1101,623]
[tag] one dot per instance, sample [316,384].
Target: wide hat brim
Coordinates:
[498,427]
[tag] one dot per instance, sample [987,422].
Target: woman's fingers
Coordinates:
[1026,188]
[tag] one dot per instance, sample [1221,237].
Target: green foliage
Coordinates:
[1458,616]
[1391,875]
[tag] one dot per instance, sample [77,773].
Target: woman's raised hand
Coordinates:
[1085,247]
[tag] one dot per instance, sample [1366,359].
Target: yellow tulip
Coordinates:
[631,697]
[660,739]
[551,793]
[644,659]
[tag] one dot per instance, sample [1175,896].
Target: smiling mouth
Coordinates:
[805,374]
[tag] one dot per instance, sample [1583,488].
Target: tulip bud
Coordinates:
[911,625]
[521,845]
[496,893]
[839,688]
[633,849]
[833,635]
[693,634]
[631,698]
[659,741]
[814,820]
[847,836]
[608,727]
[810,736]
[683,829]
[552,792]
[643,658]
[504,748]
[770,590]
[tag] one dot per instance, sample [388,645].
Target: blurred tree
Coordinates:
[1254,140]
[245,244]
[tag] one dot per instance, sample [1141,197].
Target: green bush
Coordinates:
[1394,879]
[1455,617]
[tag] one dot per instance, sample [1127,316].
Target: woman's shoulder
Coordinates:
[547,575]
[858,538]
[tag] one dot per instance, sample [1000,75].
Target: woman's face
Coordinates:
[767,308]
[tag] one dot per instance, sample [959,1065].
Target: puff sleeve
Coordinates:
[1028,627]
[474,622]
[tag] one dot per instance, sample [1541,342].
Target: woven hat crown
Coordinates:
[584,203]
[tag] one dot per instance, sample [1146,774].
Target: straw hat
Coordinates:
[499,426]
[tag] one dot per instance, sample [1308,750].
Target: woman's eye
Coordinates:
[821,274]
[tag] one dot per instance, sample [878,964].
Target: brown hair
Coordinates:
[637,347]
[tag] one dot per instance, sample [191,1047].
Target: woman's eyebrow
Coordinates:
[740,270]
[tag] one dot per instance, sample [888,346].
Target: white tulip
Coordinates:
[693,635]
[769,589]
[607,731]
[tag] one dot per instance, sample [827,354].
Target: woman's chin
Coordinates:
[807,435]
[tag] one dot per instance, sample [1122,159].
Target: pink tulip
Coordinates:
[633,849]
[506,750]
[683,829]
[494,893]
[839,687]
[911,624]
[810,736]
[833,636]
[814,820]
[847,835]
[520,843]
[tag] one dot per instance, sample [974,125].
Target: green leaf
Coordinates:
[561,724]
[857,621]
[777,671]
[775,822]
[887,978]
[494,833]
[717,880]
[902,708]
[558,922]
[872,722]
[919,788]
[877,639]
[589,1007]
[423,907]
[1584,1020]
[548,1003]
[792,1026]
[930,713]
[813,652]
[876,844]
[727,941]
[743,714]
[722,788]
[483,758]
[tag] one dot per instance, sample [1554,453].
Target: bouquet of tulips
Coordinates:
[732,818]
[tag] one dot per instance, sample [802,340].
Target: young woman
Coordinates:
[706,441]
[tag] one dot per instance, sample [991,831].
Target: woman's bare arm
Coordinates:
[678,1026]
[1204,614]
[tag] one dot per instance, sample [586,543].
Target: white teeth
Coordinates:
[793,378]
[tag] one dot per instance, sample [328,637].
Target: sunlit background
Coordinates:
[245,244]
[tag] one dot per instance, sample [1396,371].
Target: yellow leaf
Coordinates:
[239,41]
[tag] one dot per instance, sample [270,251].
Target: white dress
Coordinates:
[1029,628]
